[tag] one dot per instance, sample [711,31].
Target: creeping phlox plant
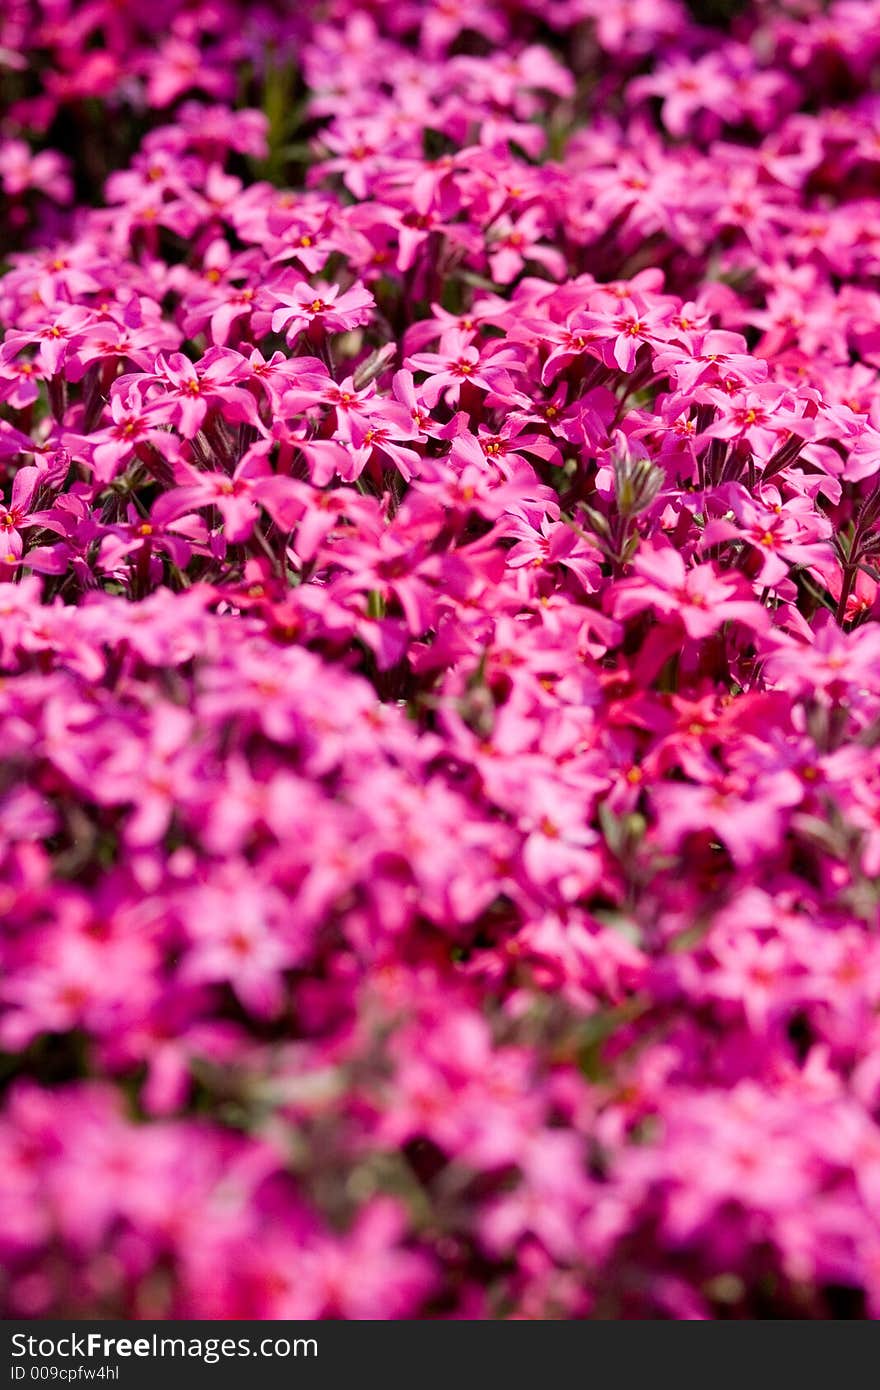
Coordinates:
[439,560]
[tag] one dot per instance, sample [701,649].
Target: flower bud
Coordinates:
[637,482]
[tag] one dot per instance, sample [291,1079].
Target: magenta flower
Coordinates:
[236,497]
[458,363]
[53,337]
[700,598]
[15,516]
[182,396]
[136,424]
[320,305]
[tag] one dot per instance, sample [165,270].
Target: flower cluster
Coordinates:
[440,794]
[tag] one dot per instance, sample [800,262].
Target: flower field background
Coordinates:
[439,549]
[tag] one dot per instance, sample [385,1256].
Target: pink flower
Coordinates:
[320,305]
[239,935]
[750,827]
[136,424]
[15,516]
[700,597]
[236,497]
[456,364]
